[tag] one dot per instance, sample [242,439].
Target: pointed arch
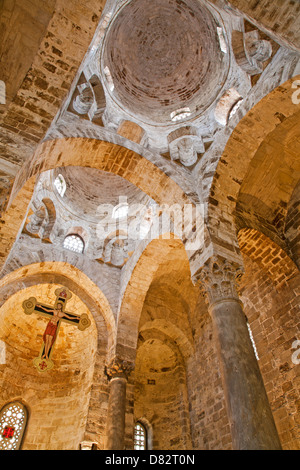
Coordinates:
[276,114]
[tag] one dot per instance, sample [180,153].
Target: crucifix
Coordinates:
[57,315]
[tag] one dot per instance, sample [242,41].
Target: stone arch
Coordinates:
[277,112]
[92,153]
[272,259]
[184,344]
[76,357]
[73,278]
[104,156]
[157,253]
[160,359]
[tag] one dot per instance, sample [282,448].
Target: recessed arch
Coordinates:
[158,253]
[91,153]
[106,156]
[172,331]
[274,113]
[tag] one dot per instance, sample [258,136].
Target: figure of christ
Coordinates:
[51,329]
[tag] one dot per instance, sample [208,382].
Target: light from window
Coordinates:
[180,114]
[109,78]
[120,211]
[139,437]
[74,243]
[60,185]
[222,41]
[12,425]
[252,341]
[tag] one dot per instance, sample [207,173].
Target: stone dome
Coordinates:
[163,56]
[89,188]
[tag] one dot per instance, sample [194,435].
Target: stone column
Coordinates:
[117,372]
[251,420]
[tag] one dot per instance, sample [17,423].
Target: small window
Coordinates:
[13,420]
[180,114]
[140,437]
[74,243]
[60,185]
[222,41]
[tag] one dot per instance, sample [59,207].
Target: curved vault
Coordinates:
[259,166]
[178,43]
[54,396]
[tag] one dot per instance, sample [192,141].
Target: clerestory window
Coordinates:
[74,243]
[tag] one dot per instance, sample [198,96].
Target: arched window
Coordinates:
[74,243]
[120,211]
[180,114]
[60,185]
[140,437]
[252,340]
[13,420]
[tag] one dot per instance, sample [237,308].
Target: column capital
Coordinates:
[219,279]
[118,368]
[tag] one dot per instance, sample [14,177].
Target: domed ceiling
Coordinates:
[163,56]
[89,188]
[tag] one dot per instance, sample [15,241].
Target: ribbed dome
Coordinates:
[164,55]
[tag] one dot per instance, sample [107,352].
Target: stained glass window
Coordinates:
[74,243]
[140,437]
[13,418]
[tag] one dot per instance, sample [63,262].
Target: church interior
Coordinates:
[149,225]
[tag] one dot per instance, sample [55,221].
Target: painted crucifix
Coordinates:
[57,315]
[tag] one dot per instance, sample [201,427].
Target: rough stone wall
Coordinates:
[273,315]
[43,58]
[279,17]
[292,225]
[164,406]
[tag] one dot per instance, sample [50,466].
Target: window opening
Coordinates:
[13,419]
[74,243]
[60,185]
[140,437]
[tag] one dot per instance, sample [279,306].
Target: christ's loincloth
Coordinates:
[51,331]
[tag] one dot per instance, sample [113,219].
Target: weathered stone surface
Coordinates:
[181,103]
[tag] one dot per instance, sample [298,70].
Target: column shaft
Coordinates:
[116,414]
[250,416]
